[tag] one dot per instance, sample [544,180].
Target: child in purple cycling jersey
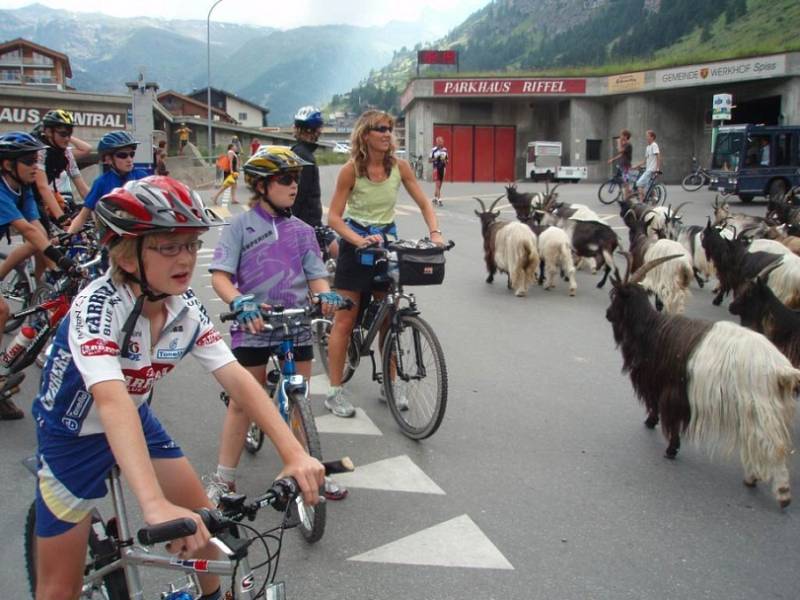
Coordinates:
[266,257]
[124,332]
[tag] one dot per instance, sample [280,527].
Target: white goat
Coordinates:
[515,253]
[670,280]
[555,251]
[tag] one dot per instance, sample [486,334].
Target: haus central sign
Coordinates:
[507,87]
[31,116]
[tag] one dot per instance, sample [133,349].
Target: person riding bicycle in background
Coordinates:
[651,162]
[307,207]
[126,330]
[116,150]
[362,212]
[266,257]
[625,158]
[55,132]
[18,169]
[439,158]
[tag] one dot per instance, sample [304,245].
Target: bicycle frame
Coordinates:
[131,557]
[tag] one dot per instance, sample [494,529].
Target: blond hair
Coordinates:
[124,249]
[359,151]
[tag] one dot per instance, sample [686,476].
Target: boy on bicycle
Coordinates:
[266,257]
[125,331]
[651,162]
[625,157]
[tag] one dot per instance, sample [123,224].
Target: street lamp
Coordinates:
[208,88]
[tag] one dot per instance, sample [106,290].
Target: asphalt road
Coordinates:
[542,482]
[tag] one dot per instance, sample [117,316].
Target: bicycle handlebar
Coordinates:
[279,312]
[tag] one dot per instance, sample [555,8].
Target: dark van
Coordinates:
[756,160]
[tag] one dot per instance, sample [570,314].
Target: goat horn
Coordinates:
[762,275]
[628,262]
[483,206]
[496,201]
[555,187]
[680,206]
[649,266]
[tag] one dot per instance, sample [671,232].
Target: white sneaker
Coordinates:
[401,399]
[216,487]
[339,405]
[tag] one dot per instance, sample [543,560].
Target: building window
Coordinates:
[593,150]
[41,59]
[9,75]
[243,116]
[11,56]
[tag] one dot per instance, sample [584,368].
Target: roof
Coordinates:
[190,100]
[43,49]
[204,92]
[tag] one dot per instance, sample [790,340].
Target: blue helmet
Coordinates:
[19,143]
[115,139]
[308,117]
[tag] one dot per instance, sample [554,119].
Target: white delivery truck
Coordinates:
[543,161]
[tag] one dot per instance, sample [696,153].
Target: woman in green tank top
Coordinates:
[362,212]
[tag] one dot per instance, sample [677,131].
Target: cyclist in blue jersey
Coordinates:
[125,331]
[18,167]
[116,150]
[266,257]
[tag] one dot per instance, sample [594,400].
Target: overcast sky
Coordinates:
[439,15]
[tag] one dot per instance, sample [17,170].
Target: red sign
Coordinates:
[507,87]
[437,57]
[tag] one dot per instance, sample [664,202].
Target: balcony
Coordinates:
[16,61]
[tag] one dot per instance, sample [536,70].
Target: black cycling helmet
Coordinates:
[114,140]
[58,117]
[18,143]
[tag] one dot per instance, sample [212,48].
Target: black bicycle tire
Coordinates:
[13,324]
[321,333]
[692,182]
[351,360]
[300,408]
[116,586]
[662,193]
[610,186]
[427,429]
[254,439]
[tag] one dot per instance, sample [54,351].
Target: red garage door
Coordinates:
[479,152]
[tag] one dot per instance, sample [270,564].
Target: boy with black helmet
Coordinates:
[148,310]
[18,168]
[116,150]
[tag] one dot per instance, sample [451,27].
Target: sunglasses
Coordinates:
[64,133]
[382,129]
[287,178]
[28,160]
[124,154]
[174,248]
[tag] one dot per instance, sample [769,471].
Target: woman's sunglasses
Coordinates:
[124,154]
[286,178]
[382,129]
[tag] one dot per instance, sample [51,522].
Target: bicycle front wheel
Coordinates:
[693,182]
[415,377]
[16,291]
[301,422]
[609,192]
[351,360]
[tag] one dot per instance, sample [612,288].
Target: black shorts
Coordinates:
[351,275]
[440,171]
[249,356]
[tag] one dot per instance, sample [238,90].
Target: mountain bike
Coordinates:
[114,559]
[697,178]
[611,191]
[413,364]
[656,192]
[16,288]
[290,392]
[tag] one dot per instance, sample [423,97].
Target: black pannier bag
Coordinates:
[420,266]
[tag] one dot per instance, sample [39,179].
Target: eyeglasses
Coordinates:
[382,128]
[28,160]
[174,248]
[64,133]
[125,154]
[287,178]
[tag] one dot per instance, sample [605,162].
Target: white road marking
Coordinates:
[360,424]
[458,542]
[398,474]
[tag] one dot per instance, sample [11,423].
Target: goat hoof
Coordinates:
[670,454]
[651,422]
[572,292]
[751,483]
[785,502]
[716,301]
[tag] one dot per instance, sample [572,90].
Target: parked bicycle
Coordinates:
[290,392]
[414,373]
[697,178]
[417,165]
[113,563]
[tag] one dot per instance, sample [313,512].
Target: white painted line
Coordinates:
[398,474]
[319,384]
[360,424]
[458,542]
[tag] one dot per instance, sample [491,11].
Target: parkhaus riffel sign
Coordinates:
[31,116]
[507,87]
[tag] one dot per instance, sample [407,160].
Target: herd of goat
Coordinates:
[728,385]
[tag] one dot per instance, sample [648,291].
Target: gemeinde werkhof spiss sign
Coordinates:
[507,87]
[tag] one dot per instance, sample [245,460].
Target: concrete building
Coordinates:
[24,63]
[244,112]
[488,122]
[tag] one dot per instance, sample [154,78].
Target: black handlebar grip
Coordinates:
[229,316]
[164,532]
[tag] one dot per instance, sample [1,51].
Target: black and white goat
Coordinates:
[718,383]
[747,226]
[509,247]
